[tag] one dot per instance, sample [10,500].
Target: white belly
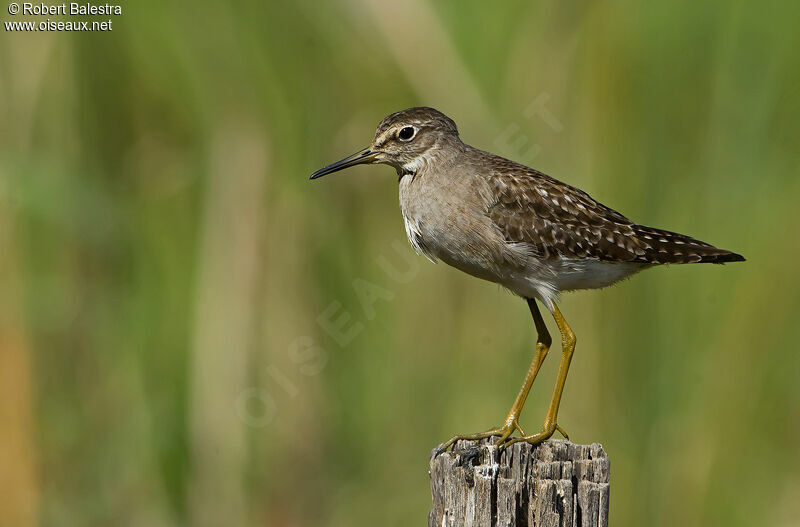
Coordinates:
[545,279]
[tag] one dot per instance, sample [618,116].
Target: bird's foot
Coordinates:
[503,433]
[547,431]
[504,438]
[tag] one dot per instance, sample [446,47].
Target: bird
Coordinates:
[510,224]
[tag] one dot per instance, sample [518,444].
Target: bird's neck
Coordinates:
[436,156]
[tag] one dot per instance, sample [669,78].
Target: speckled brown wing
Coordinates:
[560,221]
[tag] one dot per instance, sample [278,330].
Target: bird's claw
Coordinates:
[561,431]
[546,433]
[503,434]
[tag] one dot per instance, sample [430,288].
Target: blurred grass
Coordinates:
[161,252]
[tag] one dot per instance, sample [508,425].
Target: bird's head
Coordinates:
[405,140]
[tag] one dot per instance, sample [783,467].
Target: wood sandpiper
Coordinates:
[510,224]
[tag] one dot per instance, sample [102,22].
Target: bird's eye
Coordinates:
[406,133]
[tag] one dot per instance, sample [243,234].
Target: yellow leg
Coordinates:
[567,348]
[511,424]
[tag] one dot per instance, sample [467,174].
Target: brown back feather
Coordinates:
[558,220]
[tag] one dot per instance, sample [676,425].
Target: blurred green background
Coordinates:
[183,334]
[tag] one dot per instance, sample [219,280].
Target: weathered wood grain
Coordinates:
[555,484]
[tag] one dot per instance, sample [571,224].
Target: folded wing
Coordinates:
[559,221]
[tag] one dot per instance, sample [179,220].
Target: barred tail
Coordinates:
[665,247]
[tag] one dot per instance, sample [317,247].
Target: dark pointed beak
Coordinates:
[361,157]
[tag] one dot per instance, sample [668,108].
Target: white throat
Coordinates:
[419,163]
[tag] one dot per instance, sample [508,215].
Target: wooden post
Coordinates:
[556,483]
